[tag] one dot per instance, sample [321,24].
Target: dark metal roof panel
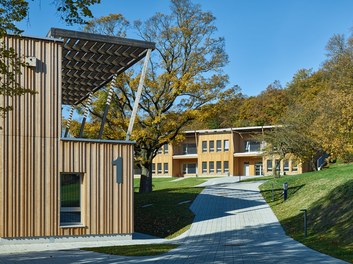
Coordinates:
[90,61]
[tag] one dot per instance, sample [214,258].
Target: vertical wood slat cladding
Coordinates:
[32,157]
[29,144]
[107,206]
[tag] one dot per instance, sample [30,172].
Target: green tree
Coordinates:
[185,73]
[265,109]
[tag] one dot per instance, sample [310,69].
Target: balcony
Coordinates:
[187,150]
[251,149]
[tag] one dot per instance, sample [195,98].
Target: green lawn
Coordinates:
[135,250]
[165,212]
[328,197]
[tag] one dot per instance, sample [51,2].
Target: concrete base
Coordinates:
[64,239]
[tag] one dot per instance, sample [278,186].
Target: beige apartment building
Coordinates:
[222,152]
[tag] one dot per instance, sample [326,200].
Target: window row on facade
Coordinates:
[160,169]
[288,165]
[209,167]
[209,146]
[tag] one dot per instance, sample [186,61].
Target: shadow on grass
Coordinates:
[164,212]
[329,222]
[278,196]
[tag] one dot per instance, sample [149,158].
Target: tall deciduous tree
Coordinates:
[185,73]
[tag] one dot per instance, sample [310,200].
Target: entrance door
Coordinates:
[258,168]
[246,169]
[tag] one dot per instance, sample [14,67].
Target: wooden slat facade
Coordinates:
[107,207]
[32,157]
[29,144]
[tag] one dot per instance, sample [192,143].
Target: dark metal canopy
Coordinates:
[90,61]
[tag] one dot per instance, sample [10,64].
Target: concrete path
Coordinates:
[233,224]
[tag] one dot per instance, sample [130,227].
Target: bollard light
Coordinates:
[285,190]
[305,211]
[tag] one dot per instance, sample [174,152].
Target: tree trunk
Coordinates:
[146,178]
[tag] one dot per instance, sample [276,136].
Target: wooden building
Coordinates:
[222,152]
[56,187]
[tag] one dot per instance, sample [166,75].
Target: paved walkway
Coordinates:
[233,224]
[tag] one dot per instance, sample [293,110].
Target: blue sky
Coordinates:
[266,40]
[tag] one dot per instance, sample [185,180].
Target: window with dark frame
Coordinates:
[219,145]
[286,165]
[211,165]
[225,166]
[204,146]
[226,145]
[153,167]
[204,167]
[211,144]
[165,165]
[269,165]
[166,150]
[159,168]
[70,199]
[294,165]
[219,167]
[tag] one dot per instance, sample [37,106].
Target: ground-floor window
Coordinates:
[211,165]
[278,165]
[225,166]
[165,165]
[204,167]
[294,165]
[189,168]
[286,165]
[159,168]
[219,167]
[70,199]
[153,167]
[269,165]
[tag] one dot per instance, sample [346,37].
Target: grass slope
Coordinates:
[328,197]
[165,211]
